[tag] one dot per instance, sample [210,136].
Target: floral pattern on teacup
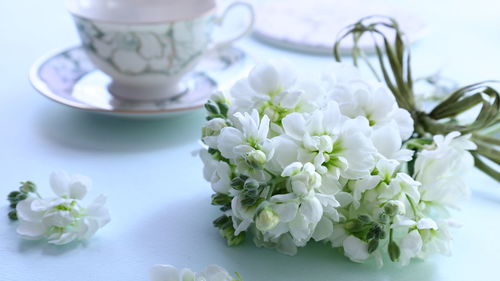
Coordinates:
[147,49]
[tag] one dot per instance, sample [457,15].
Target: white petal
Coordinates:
[31,230]
[405,122]
[59,181]
[286,211]
[323,230]
[229,138]
[64,238]
[286,245]
[264,79]
[355,249]
[263,128]
[411,245]
[164,273]
[299,229]
[216,273]
[311,209]
[427,223]
[294,125]
[79,186]
[25,211]
[292,169]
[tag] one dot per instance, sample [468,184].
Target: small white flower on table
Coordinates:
[170,273]
[61,219]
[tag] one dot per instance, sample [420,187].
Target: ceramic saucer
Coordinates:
[311,26]
[68,77]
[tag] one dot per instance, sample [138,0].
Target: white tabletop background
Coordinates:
[159,202]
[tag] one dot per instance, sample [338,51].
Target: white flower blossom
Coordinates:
[216,172]
[170,273]
[295,161]
[62,219]
[441,168]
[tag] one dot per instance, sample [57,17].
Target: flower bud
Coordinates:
[20,197]
[12,196]
[267,219]
[394,251]
[236,240]
[213,127]
[27,187]
[256,159]
[394,207]
[364,218]
[251,184]
[13,215]
[372,245]
[353,226]
[211,108]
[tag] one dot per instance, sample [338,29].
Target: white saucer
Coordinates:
[312,26]
[68,77]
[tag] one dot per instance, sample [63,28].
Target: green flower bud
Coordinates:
[13,215]
[353,226]
[372,245]
[394,251]
[221,221]
[20,197]
[211,108]
[237,183]
[267,219]
[256,159]
[251,184]
[364,218]
[236,240]
[12,196]
[223,108]
[27,187]
[221,199]
[382,217]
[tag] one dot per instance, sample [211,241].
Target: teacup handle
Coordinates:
[220,19]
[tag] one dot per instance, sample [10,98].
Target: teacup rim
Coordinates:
[138,23]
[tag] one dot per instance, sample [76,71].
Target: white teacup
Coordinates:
[147,46]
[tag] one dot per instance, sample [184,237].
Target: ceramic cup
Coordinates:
[147,46]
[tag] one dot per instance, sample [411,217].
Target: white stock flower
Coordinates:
[374,101]
[170,273]
[211,131]
[327,160]
[62,219]
[336,147]
[218,173]
[297,216]
[441,168]
[246,143]
[264,82]
[303,178]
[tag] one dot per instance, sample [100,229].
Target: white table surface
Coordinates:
[159,202]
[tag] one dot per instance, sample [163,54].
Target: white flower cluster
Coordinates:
[61,219]
[170,273]
[333,161]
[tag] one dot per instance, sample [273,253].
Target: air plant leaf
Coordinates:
[394,66]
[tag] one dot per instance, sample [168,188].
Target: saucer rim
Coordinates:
[41,87]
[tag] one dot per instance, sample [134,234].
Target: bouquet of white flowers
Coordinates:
[341,159]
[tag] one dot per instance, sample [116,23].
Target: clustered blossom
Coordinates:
[170,273]
[61,219]
[334,160]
